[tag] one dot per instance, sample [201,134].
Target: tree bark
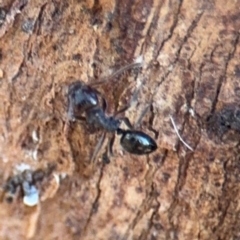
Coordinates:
[190,74]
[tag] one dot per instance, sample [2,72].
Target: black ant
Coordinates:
[83,99]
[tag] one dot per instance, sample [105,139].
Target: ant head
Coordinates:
[81,96]
[137,142]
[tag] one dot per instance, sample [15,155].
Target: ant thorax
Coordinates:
[98,119]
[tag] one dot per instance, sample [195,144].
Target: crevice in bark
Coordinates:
[152,25]
[223,76]
[95,204]
[171,30]
[189,32]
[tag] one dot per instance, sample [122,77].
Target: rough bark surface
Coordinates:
[191,71]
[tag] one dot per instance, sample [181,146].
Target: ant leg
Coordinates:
[143,113]
[110,144]
[132,100]
[73,87]
[109,150]
[127,122]
[105,158]
[121,70]
[98,147]
[70,117]
[104,104]
[80,119]
[67,124]
[122,110]
[66,128]
[70,112]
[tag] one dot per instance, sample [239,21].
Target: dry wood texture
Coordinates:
[191,71]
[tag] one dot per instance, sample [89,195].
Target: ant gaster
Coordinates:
[84,100]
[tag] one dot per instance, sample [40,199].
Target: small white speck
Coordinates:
[191,111]
[63,175]
[35,136]
[154,233]
[35,154]
[121,152]
[170,68]
[139,59]
[56,178]
[22,167]
[32,197]
[71,31]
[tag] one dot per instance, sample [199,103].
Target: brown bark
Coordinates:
[191,71]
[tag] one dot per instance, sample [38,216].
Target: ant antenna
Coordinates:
[138,63]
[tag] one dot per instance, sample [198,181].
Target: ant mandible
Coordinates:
[84,99]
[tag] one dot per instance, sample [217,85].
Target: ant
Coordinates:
[84,99]
[87,104]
